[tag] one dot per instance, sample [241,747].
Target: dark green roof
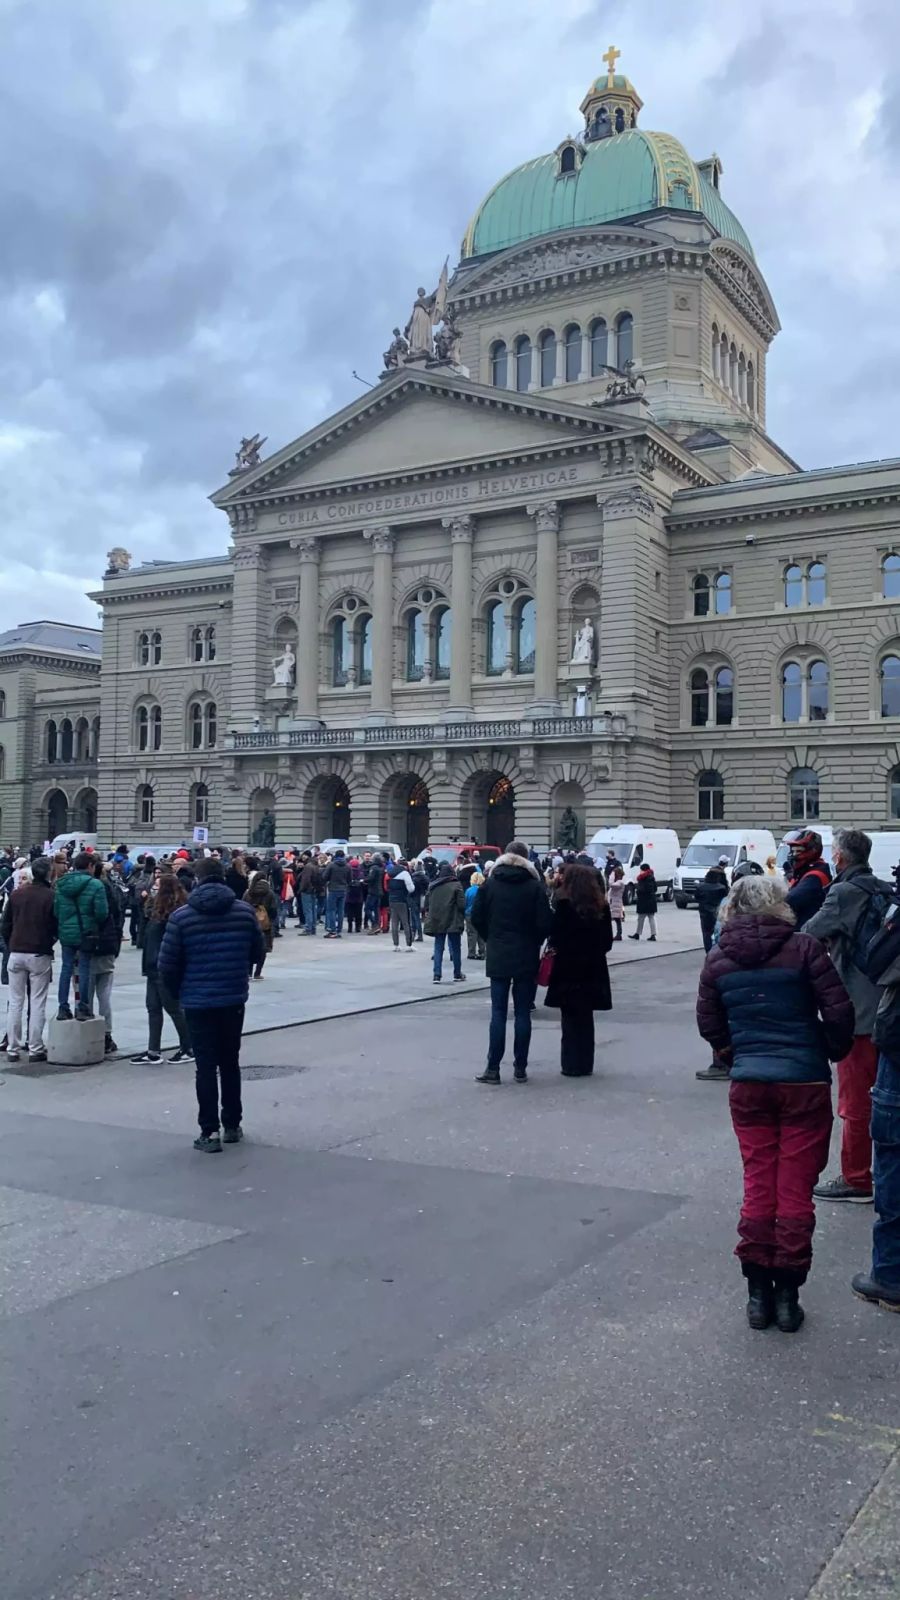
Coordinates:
[623,176]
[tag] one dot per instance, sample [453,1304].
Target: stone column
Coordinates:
[251,670]
[535,365]
[381,706]
[585,353]
[461,530]
[546,655]
[560,358]
[309,551]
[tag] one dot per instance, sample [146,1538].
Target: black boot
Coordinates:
[489,1075]
[789,1313]
[760,1297]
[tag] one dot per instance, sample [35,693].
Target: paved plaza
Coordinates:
[419,1338]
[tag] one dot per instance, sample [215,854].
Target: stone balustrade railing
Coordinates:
[610,725]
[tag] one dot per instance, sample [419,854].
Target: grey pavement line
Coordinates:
[867,1560]
[456,993]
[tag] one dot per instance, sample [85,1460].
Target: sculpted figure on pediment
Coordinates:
[561,256]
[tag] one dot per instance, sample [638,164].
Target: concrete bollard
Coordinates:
[76,1044]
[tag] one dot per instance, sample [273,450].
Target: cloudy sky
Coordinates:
[212,211]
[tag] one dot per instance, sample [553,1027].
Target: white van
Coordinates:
[83,841]
[708,846]
[635,845]
[355,847]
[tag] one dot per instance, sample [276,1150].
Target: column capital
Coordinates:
[626,502]
[461,528]
[309,549]
[383,540]
[248,556]
[546,514]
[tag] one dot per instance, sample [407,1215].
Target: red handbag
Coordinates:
[545,970]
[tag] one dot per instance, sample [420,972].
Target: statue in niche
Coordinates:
[569,832]
[264,833]
[283,668]
[583,648]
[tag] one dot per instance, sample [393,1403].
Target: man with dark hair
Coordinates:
[511,912]
[852,909]
[28,932]
[208,950]
[81,909]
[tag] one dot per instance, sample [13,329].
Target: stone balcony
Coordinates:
[609,725]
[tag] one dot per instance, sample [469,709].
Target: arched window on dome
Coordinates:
[624,340]
[523,363]
[599,347]
[751,386]
[499,364]
[547,346]
[568,159]
[572,338]
[716,367]
[620,120]
[733,369]
[742,378]
[723,361]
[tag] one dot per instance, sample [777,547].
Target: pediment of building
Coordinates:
[413,423]
[739,273]
[557,254]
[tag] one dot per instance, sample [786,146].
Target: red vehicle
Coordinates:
[454,848]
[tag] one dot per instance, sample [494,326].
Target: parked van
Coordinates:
[635,846]
[705,850]
[355,847]
[82,841]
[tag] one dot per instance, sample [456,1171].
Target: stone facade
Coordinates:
[49,731]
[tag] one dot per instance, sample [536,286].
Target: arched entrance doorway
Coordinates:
[57,814]
[84,811]
[405,812]
[489,809]
[328,809]
[567,816]
[262,818]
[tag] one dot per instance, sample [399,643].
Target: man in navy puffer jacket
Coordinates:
[205,958]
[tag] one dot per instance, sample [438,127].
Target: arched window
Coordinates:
[624,340]
[82,739]
[573,352]
[890,686]
[2,702]
[203,643]
[495,655]
[547,347]
[710,797]
[723,361]
[804,794]
[815,583]
[155,727]
[442,627]
[51,738]
[66,740]
[145,803]
[2,762]
[155,648]
[143,649]
[202,721]
[196,644]
[751,386]
[525,636]
[340,651]
[567,158]
[791,692]
[499,364]
[716,367]
[724,692]
[199,805]
[364,646]
[890,577]
[699,698]
[415,646]
[894,795]
[599,347]
[742,377]
[523,363]
[620,120]
[817,691]
[95,744]
[701,595]
[793,586]
[723,593]
[733,369]
[149,727]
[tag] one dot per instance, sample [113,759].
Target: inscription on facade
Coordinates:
[475,492]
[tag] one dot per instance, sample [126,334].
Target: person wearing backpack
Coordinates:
[262,902]
[852,913]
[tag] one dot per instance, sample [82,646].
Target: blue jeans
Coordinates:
[886,1173]
[308,902]
[67,966]
[454,945]
[334,910]
[371,910]
[523,992]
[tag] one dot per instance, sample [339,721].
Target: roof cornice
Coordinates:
[121,592]
[786,506]
[57,661]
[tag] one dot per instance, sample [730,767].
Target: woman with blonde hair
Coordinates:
[772,1005]
[476,944]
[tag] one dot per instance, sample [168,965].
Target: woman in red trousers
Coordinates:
[773,1005]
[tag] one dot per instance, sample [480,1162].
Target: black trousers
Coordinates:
[354,916]
[216,1041]
[576,1053]
[159,1000]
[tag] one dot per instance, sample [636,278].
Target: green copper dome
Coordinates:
[627,175]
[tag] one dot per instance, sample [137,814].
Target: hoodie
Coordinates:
[771,996]
[208,948]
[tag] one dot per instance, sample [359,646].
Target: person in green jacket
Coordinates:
[81,909]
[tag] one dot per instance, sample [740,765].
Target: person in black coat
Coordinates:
[645,902]
[710,894]
[511,912]
[581,936]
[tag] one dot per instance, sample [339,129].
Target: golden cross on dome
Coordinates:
[611,57]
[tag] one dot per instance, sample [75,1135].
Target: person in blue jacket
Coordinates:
[208,949]
[477,947]
[809,875]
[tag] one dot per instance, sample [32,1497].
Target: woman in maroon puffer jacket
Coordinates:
[771,1002]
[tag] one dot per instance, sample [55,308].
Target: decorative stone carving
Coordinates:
[548,259]
[396,352]
[448,339]
[242,518]
[734,267]
[626,502]
[461,529]
[264,832]
[585,558]
[307,549]
[583,648]
[631,381]
[118,561]
[284,668]
[247,556]
[427,310]
[569,830]
[382,540]
[247,454]
[546,515]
